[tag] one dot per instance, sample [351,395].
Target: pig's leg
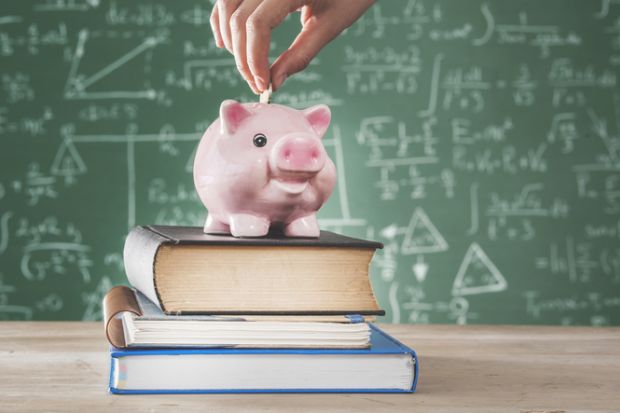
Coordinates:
[303,227]
[213,226]
[247,225]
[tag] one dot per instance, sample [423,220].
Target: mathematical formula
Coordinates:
[478,141]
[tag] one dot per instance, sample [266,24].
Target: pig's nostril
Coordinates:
[300,155]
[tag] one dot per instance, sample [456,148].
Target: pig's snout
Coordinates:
[298,154]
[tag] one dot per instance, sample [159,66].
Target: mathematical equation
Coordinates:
[478,141]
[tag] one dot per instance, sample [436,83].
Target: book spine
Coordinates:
[118,300]
[139,255]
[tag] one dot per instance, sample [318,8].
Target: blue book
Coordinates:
[387,366]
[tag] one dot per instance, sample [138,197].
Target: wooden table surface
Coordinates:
[63,366]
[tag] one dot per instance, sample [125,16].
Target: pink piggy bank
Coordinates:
[264,165]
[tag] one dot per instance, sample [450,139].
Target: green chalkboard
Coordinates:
[479,141]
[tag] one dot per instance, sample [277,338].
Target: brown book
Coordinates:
[185,271]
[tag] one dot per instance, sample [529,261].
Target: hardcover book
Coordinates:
[185,271]
[386,367]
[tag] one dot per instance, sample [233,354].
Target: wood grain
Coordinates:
[63,366]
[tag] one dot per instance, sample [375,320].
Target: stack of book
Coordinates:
[217,314]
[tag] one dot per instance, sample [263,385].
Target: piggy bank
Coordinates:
[262,166]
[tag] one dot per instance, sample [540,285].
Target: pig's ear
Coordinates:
[319,117]
[232,113]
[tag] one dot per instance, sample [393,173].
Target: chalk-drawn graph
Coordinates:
[78,85]
[68,162]
[345,219]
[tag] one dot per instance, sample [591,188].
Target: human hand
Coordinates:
[244,28]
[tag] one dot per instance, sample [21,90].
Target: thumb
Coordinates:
[298,56]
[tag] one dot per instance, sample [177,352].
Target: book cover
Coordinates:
[196,236]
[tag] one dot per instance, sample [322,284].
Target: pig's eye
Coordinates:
[260,140]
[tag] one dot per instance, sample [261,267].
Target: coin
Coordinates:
[265,97]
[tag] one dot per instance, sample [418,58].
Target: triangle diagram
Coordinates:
[477,274]
[68,161]
[421,236]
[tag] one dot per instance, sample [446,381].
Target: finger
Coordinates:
[321,24]
[267,15]
[215,26]
[238,36]
[298,56]
[226,9]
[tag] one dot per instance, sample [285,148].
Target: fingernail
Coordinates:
[261,83]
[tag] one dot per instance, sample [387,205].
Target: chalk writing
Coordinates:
[479,142]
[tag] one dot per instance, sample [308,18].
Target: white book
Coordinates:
[153,328]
